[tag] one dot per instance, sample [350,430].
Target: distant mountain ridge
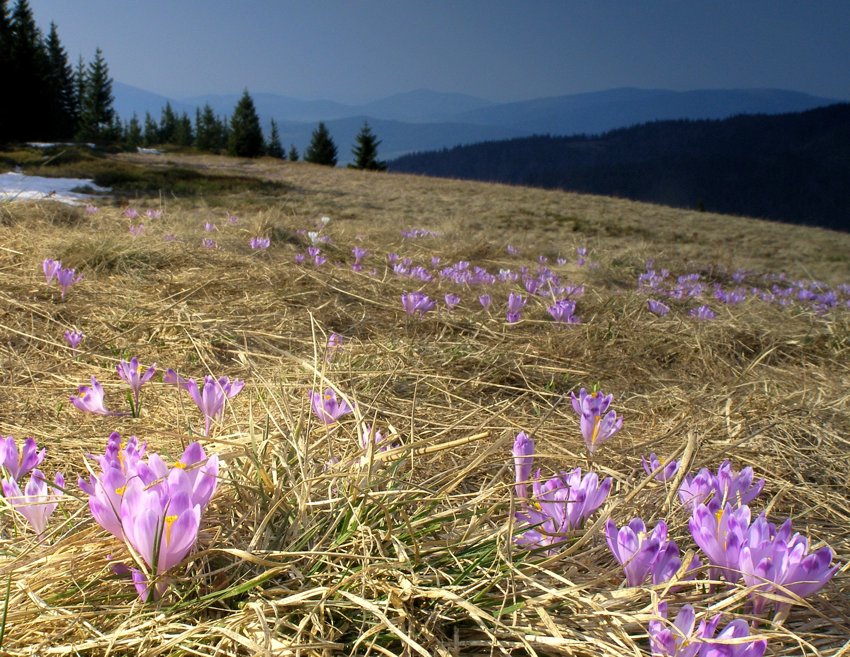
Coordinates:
[791,167]
[426,120]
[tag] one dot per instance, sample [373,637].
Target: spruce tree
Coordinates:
[151,132]
[97,118]
[5,65]
[183,131]
[274,147]
[167,125]
[133,133]
[322,149]
[27,76]
[293,153]
[365,151]
[246,135]
[60,76]
[208,130]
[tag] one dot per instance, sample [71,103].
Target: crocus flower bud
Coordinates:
[523,452]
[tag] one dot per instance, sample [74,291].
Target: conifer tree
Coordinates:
[60,78]
[365,151]
[293,153]
[96,114]
[183,131]
[167,125]
[80,81]
[274,147]
[322,149]
[246,135]
[5,65]
[27,76]
[133,133]
[151,132]
[209,131]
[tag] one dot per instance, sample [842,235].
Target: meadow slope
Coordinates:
[313,546]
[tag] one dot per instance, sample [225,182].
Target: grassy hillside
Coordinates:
[314,546]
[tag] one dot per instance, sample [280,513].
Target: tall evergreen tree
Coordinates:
[150,136]
[293,153]
[322,149]
[60,78]
[6,66]
[365,151]
[133,133]
[183,135]
[80,81]
[167,125]
[209,131]
[274,147]
[30,113]
[246,135]
[96,114]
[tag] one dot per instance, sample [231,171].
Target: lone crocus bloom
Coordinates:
[702,312]
[327,407]
[417,304]
[210,397]
[452,300]
[74,338]
[18,464]
[516,303]
[90,399]
[67,277]
[523,452]
[39,499]
[653,464]
[657,308]
[51,268]
[596,428]
[131,373]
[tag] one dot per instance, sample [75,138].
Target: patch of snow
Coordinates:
[148,151]
[18,187]
[50,144]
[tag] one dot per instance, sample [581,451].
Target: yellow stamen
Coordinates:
[180,464]
[169,520]
[120,490]
[596,422]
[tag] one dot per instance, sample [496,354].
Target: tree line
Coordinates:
[53,101]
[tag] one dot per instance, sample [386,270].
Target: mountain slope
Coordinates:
[790,167]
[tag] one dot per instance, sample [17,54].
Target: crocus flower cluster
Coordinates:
[727,486]
[155,509]
[597,426]
[260,243]
[684,638]
[66,276]
[210,397]
[327,407]
[643,553]
[563,312]
[39,499]
[136,230]
[416,304]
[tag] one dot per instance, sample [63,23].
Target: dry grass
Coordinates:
[415,556]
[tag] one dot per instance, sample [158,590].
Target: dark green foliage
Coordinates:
[365,151]
[60,88]
[96,113]
[209,130]
[167,125]
[293,153]
[183,131]
[322,149]
[29,115]
[133,133]
[5,65]
[274,148]
[151,133]
[246,136]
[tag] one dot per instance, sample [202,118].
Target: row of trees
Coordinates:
[45,98]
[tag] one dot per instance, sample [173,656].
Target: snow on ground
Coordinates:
[18,187]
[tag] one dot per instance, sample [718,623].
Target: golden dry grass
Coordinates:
[414,557]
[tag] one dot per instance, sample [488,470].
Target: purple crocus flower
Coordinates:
[131,213]
[729,644]
[209,227]
[74,338]
[51,268]
[38,500]
[210,398]
[657,307]
[523,452]
[136,230]
[485,300]
[683,637]
[634,548]
[695,489]
[596,429]
[67,277]
[333,345]
[721,533]
[653,464]
[563,312]
[736,487]
[516,303]
[327,407]
[359,253]
[416,303]
[131,373]
[452,300]
[702,312]
[260,243]
[208,243]
[90,399]
[18,464]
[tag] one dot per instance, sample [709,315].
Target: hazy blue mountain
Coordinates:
[129,99]
[423,105]
[592,113]
[280,108]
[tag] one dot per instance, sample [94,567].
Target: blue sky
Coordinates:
[360,50]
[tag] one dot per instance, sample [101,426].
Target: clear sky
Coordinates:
[360,50]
